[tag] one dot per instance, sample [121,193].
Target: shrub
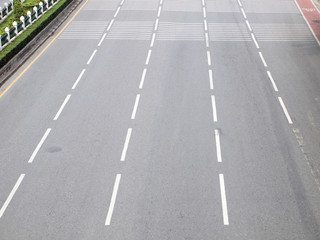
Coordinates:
[18,10]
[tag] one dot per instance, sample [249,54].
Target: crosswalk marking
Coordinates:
[180,31]
[278,6]
[282,32]
[182,6]
[222,6]
[84,30]
[133,30]
[228,32]
[140,5]
[101,5]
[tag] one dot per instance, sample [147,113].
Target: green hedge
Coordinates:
[17,44]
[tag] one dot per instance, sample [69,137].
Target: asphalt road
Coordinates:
[191,119]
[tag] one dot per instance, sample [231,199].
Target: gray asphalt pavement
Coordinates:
[194,119]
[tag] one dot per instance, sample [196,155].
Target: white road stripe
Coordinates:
[159,11]
[13,191]
[285,110]
[126,144]
[39,145]
[113,199]
[223,200]
[211,79]
[207,40]
[142,78]
[156,25]
[262,59]
[214,108]
[122,2]
[108,29]
[209,58]
[153,38]
[115,15]
[239,3]
[103,37]
[78,79]
[218,146]
[248,24]
[148,57]
[92,55]
[272,81]
[205,25]
[244,14]
[161,2]
[204,12]
[136,103]
[255,41]
[62,106]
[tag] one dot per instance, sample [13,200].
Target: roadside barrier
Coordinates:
[25,22]
[6,10]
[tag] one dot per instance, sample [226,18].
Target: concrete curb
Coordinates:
[15,63]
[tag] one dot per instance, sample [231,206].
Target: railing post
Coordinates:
[24,24]
[1,13]
[36,11]
[15,26]
[7,30]
[29,15]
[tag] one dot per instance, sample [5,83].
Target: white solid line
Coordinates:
[153,38]
[209,58]
[13,191]
[272,81]
[248,24]
[207,40]
[103,37]
[218,146]
[92,55]
[108,29]
[115,15]
[148,57]
[61,108]
[156,25]
[78,79]
[255,41]
[211,79]
[39,145]
[136,103]
[113,199]
[122,2]
[244,14]
[159,11]
[239,3]
[204,12]
[285,110]
[262,59]
[223,200]
[142,78]
[126,144]
[214,108]
[205,25]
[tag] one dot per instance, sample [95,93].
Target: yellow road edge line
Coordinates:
[34,60]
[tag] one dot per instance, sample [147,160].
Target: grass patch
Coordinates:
[17,44]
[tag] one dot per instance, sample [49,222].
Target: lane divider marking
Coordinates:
[240,4]
[244,14]
[126,144]
[115,15]
[39,145]
[255,41]
[211,79]
[248,24]
[153,38]
[209,58]
[103,37]
[108,29]
[156,25]
[218,146]
[62,107]
[205,25]
[13,191]
[159,11]
[204,12]
[78,79]
[272,81]
[263,60]
[214,108]
[223,200]
[148,57]
[113,199]
[142,78]
[136,103]
[92,55]
[207,39]
[285,110]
